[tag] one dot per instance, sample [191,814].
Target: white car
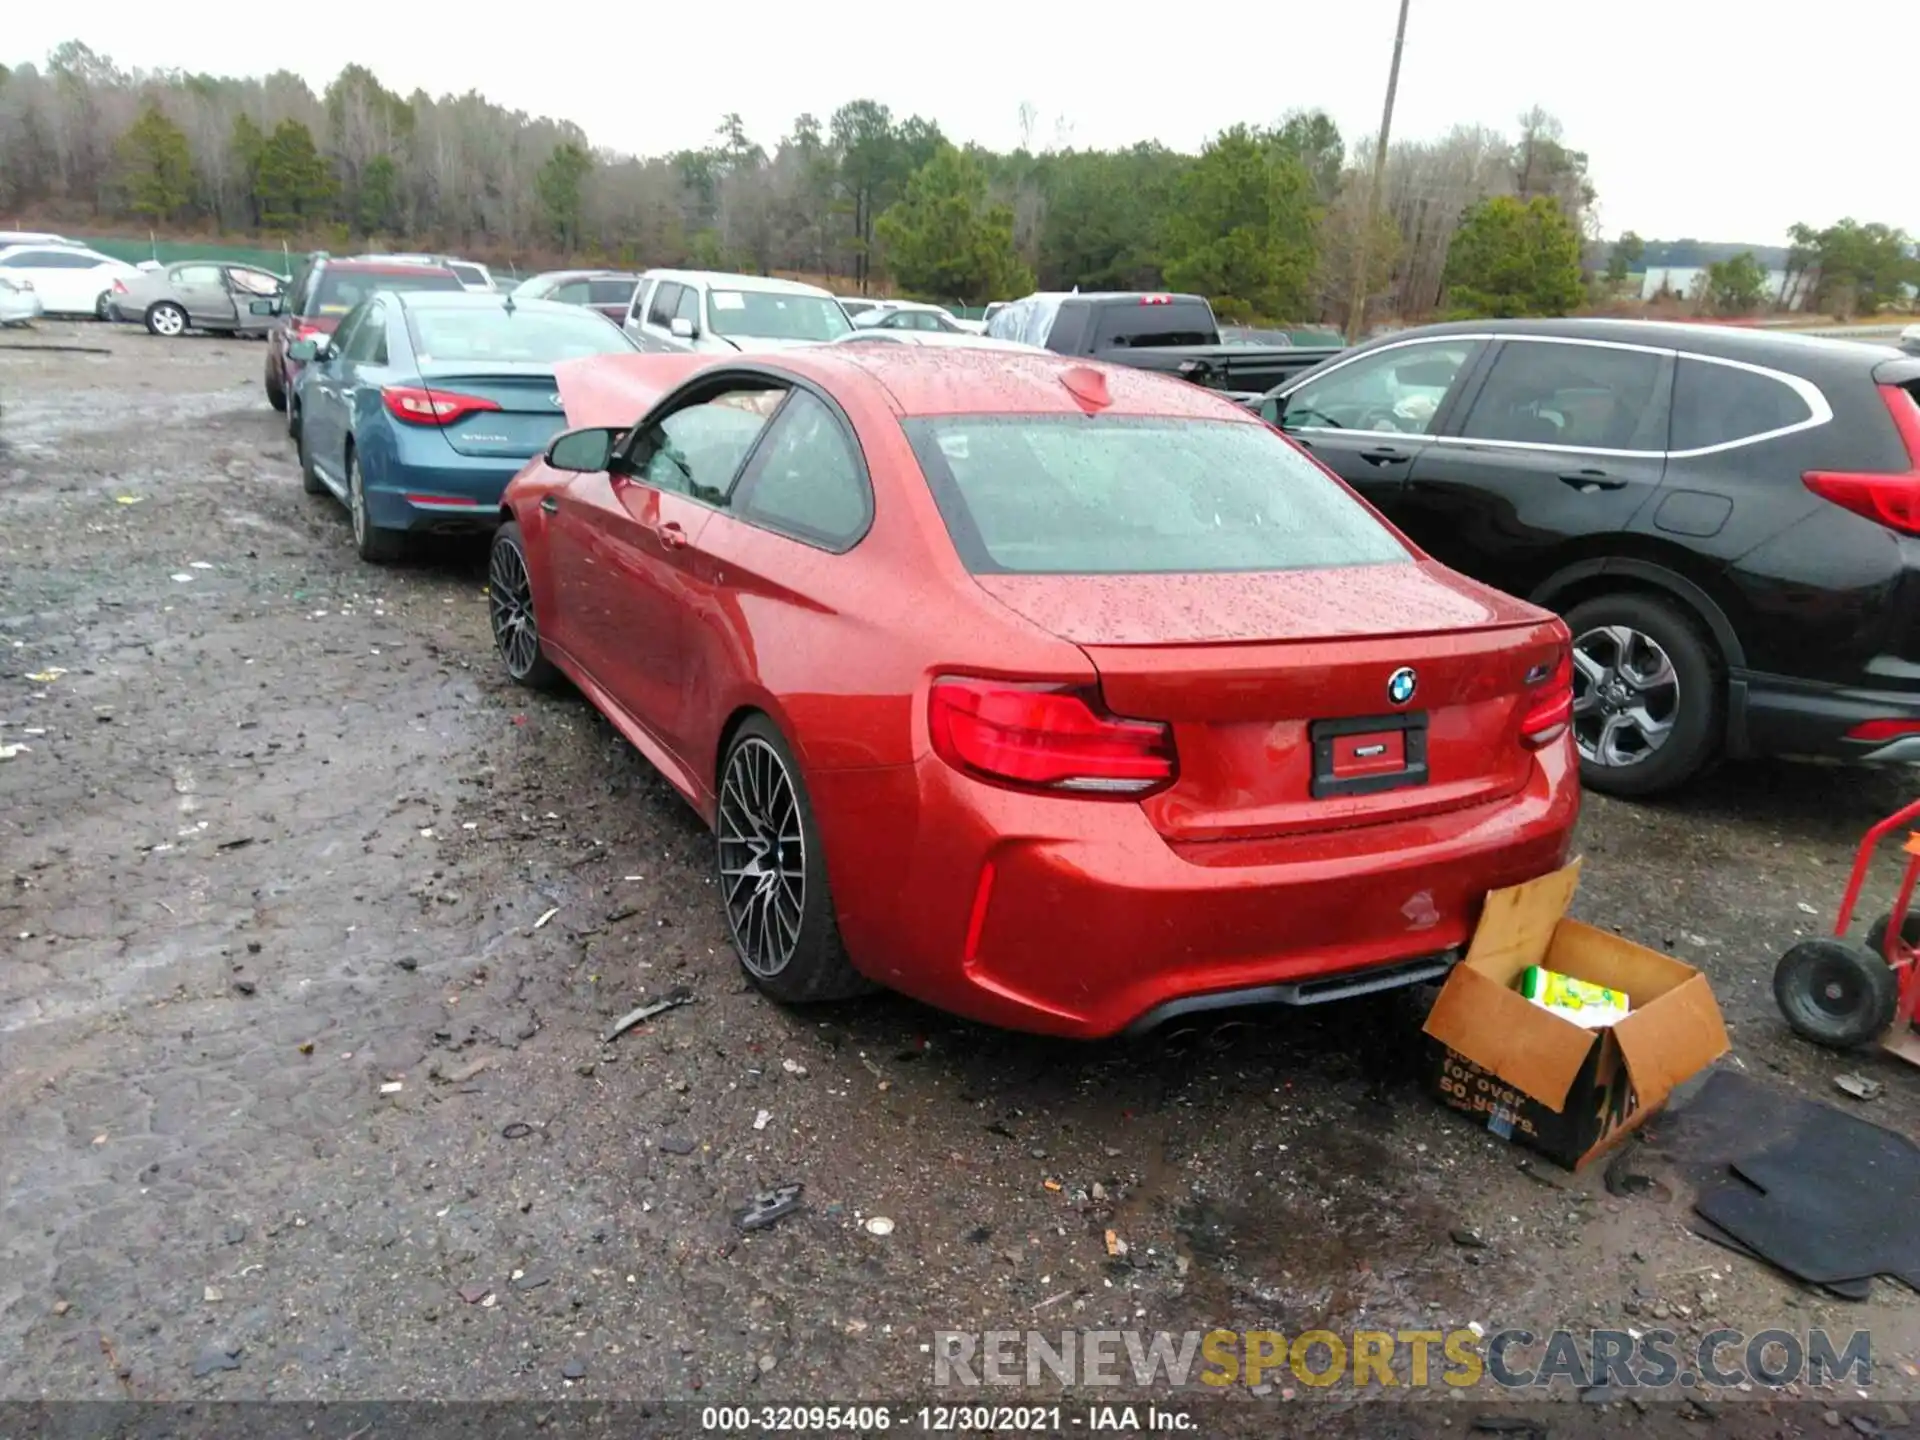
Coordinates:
[709,313]
[913,315]
[69,279]
[18,305]
[31,237]
[1910,339]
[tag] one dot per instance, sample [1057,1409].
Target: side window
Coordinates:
[1716,404]
[609,292]
[807,480]
[1398,390]
[637,312]
[252,282]
[308,283]
[346,332]
[1590,396]
[573,292]
[368,343]
[207,276]
[665,296]
[689,306]
[698,449]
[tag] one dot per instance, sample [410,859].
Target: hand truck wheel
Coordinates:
[1836,993]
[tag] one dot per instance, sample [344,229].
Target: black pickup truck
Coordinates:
[1173,334]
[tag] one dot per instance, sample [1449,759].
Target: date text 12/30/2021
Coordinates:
[941,1419]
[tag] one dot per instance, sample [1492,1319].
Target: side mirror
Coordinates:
[682,328]
[263,307]
[1271,408]
[303,351]
[585,451]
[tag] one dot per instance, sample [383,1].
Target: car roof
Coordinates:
[381,267]
[472,300]
[993,380]
[50,245]
[583,275]
[723,280]
[1753,344]
[961,339]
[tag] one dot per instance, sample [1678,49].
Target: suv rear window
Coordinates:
[609,292]
[338,291]
[1066,495]
[469,274]
[1134,323]
[1717,404]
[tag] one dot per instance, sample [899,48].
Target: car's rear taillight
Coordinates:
[307,332]
[431,407]
[1047,737]
[1887,498]
[119,287]
[1550,707]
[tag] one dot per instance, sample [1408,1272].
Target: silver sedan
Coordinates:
[197,295]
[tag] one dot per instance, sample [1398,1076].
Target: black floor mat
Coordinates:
[1705,1141]
[1831,1201]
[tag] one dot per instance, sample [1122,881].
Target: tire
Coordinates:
[1909,932]
[516,635]
[276,390]
[310,480]
[102,305]
[293,419]
[167,320]
[1643,656]
[797,963]
[1835,993]
[382,547]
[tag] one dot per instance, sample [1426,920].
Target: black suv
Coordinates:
[1729,520]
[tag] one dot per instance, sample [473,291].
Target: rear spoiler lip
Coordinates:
[1904,371]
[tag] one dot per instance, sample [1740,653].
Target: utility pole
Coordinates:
[1357,303]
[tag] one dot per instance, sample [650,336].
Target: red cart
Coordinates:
[1841,993]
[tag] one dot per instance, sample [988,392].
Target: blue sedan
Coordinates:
[423,404]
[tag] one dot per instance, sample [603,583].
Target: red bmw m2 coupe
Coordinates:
[1066,697]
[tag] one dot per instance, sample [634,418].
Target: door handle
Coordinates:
[671,535]
[1385,455]
[1591,480]
[548,504]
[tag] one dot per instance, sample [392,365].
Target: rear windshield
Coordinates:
[340,290]
[1127,324]
[770,315]
[485,333]
[609,292]
[469,274]
[1069,495]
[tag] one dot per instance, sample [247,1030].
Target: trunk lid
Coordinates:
[529,412]
[1277,686]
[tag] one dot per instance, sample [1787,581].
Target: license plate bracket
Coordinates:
[1366,754]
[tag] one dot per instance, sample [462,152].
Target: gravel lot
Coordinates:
[313,923]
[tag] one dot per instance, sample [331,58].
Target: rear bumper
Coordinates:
[1075,918]
[426,487]
[1775,715]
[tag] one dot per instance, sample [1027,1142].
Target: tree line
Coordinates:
[1266,220]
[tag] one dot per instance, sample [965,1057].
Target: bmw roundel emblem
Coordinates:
[1401,685]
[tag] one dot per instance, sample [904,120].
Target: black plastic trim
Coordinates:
[1322,734]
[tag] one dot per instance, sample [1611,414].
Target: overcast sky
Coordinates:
[1699,119]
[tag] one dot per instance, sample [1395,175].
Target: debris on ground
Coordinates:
[1115,1245]
[458,1074]
[762,1120]
[7,752]
[474,1294]
[1467,1239]
[794,1068]
[768,1207]
[391,1087]
[573,1370]
[1859,1087]
[218,1356]
[677,1145]
[541,922]
[880,1225]
[646,1012]
[46,676]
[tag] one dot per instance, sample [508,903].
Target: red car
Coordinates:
[1065,697]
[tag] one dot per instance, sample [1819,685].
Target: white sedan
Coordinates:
[68,279]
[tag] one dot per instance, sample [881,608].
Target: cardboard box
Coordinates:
[1530,1075]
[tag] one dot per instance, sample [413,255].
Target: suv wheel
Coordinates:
[1648,699]
[276,391]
